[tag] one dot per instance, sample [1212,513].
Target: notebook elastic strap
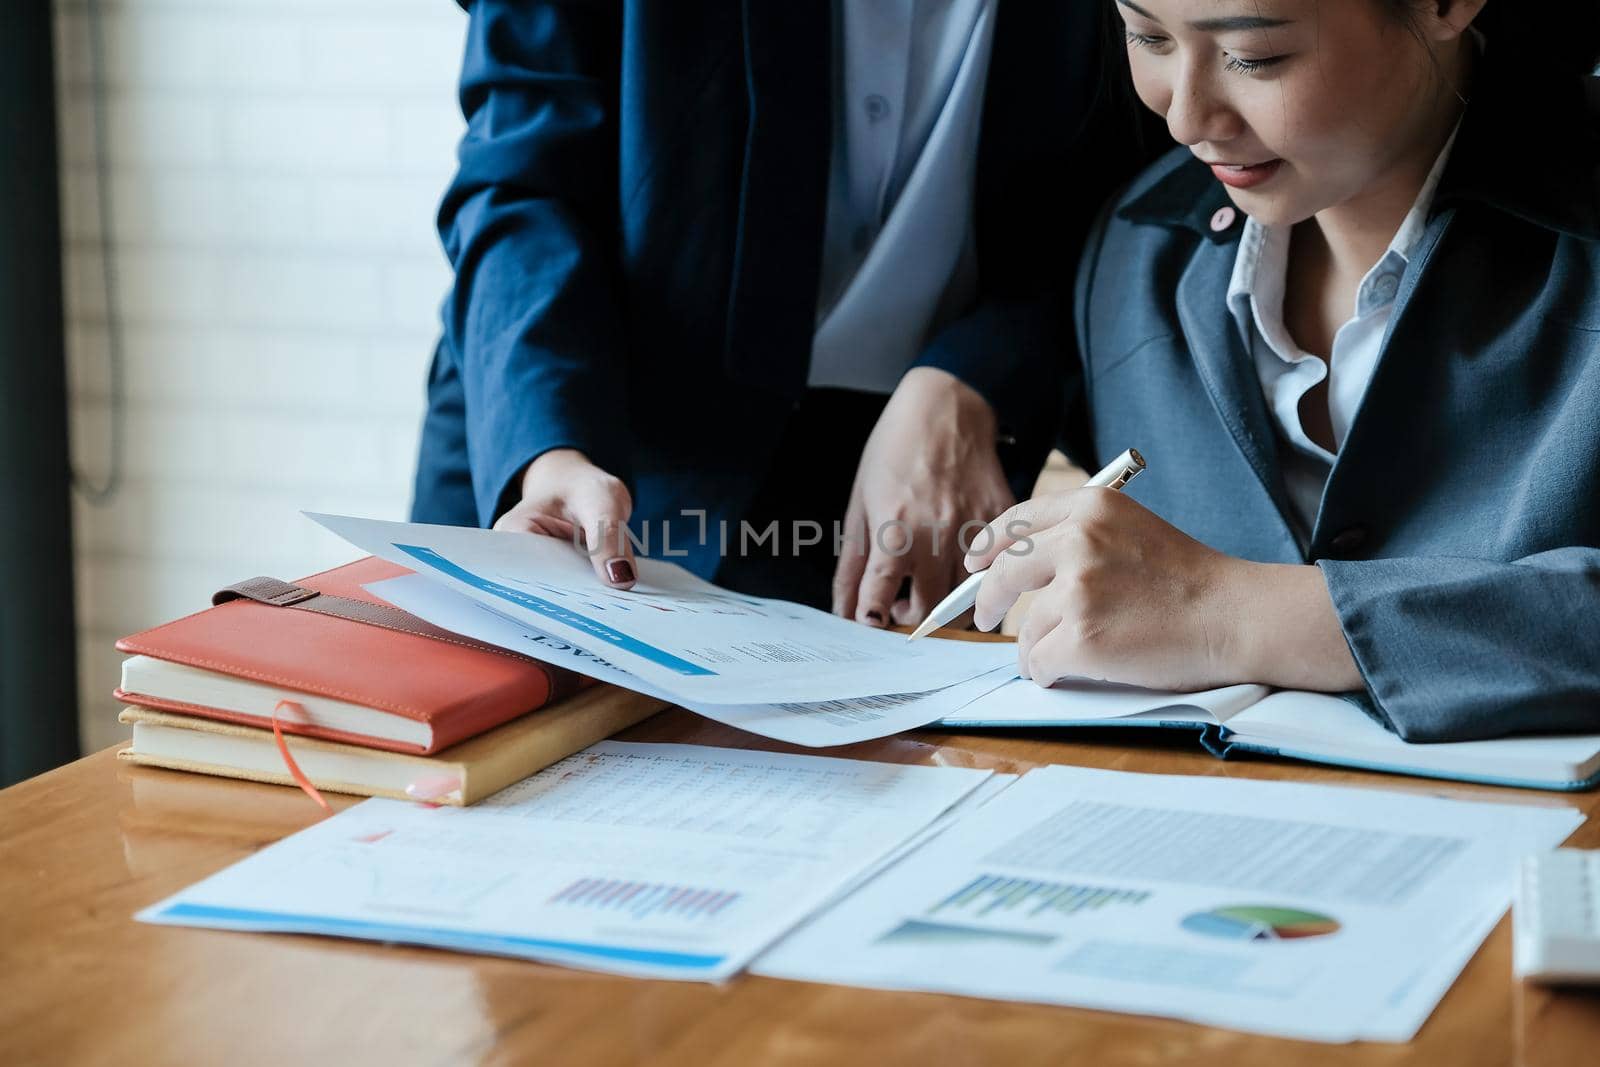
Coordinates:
[273,593]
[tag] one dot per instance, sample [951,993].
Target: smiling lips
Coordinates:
[1246,176]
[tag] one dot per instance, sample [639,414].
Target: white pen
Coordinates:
[1118,473]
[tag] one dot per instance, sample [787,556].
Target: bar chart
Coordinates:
[992,895]
[643,900]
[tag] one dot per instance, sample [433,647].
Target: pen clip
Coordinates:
[1123,477]
[1127,466]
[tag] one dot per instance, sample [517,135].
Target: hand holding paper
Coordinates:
[690,638]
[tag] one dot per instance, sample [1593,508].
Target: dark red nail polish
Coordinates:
[619,571]
[875,616]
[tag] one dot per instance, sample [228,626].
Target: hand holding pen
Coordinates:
[1116,474]
[1121,595]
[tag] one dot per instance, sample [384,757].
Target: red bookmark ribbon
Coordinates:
[295,772]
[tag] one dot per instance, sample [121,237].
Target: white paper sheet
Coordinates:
[664,861]
[1303,911]
[990,788]
[1023,703]
[674,630]
[816,725]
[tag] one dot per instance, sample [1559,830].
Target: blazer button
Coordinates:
[1349,540]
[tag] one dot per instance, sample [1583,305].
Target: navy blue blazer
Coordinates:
[636,230]
[1459,532]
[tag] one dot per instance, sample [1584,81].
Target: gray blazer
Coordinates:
[1459,533]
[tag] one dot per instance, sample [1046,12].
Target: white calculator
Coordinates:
[1557,917]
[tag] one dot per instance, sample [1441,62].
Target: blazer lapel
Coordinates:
[788,52]
[1227,368]
[1385,413]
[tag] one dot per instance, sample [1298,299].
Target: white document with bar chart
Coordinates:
[674,630]
[1316,912]
[663,861]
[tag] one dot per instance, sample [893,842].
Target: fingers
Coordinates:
[529,517]
[600,508]
[1067,650]
[1011,575]
[1036,661]
[933,574]
[1042,619]
[565,495]
[888,563]
[852,561]
[1076,645]
[1016,526]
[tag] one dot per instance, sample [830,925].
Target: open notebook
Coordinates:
[1308,726]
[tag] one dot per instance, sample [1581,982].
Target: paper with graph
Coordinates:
[673,630]
[1304,911]
[814,724]
[665,861]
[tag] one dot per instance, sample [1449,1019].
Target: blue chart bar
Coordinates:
[641,900]
[991,893]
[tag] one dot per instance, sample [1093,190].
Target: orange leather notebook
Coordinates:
[350,681]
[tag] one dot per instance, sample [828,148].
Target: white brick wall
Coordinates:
[275,168]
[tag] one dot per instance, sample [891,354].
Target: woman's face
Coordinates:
[1298,105]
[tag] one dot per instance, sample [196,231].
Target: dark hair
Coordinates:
[1561,36]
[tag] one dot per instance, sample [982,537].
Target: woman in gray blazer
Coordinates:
[1353,324]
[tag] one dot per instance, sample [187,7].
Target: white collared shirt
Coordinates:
[897,256]
[1287,372]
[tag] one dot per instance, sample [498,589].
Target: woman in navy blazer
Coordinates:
[1415,520]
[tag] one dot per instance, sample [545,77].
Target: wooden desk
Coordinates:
[84,847]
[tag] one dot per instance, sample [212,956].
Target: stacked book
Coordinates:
[320,682]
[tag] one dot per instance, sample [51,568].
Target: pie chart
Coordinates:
[1260,922]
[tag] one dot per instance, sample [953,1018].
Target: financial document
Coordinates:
[818,724]
[1022,703]
[673,630]
[662,861]
[1303,911]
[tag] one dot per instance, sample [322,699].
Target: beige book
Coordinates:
[480,766]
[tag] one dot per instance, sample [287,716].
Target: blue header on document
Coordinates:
[504,944]
[554,612]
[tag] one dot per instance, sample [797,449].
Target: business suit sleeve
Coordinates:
[1010,351]
[1039,207]
[1075,439]
[526,223]
[1460,649]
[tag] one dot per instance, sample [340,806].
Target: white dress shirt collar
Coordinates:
[1260,272]
[1287,372]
